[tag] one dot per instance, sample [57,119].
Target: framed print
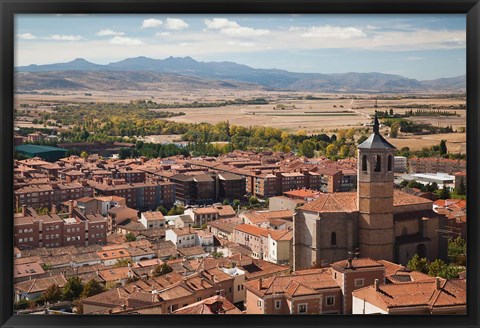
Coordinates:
[239,163]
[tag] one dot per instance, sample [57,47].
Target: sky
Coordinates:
[417,46]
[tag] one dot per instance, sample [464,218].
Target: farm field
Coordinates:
[289,111]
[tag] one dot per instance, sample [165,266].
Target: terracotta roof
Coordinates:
[423,295]
[205,210]
[212,305]
[347,202]
[297,284]
[41,284]
[153,216]
[356,264]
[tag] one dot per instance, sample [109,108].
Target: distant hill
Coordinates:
[119,80]
[184,71]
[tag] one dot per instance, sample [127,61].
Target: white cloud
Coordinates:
[162,34]
[232,28]
[151,22]
[241,44]
[26,36]
[123,40]
[330,32]
[108,32]
[175,24]
[60,37]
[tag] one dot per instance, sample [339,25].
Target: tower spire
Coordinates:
[376,124]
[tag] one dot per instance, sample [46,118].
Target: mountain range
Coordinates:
[146,73]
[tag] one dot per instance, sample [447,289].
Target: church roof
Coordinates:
[347,202]
[376,141]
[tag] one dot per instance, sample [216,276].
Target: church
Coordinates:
[377,221]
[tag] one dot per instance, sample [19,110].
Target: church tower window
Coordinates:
[364,163]
[333,239]
[378,163]
[390,163]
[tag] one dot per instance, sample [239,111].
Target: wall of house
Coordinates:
[361,307]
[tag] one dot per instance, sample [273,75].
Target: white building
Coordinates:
[182,237]
[152,220]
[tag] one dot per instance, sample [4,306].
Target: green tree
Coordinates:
[226,202]
[404,183]
[160,270]
[236,203]
[418,264]
[331,151]
[443,147]
[217,255]
[307,148]
[361,139]
[344,151]
[438,268]
[122,263]
[162,209]
[176,210]
[394,130]
[253,201]
[72,289]
[52,294]
[130,237]
[391,111]
[457,250]
[83,154]
[92,287]
[443,193]
[461,190]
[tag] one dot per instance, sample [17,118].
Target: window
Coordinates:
[364,163]
[390,162]
[330,300]
[302,308]
[278,304]
[360,282]
[259,303]
[333,239]
[378,163]
[404,231]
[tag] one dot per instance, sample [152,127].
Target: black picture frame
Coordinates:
[471,8]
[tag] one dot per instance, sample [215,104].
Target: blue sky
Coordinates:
[416,46]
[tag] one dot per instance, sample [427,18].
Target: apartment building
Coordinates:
[430,164]
[58,230]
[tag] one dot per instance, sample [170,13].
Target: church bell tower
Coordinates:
[375,196]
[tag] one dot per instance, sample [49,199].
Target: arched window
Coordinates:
[404,231]
[333,239]
[390,163]
[364,163]
[378,163]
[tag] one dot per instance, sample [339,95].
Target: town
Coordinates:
[247,232]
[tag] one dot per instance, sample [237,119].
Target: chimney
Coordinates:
[70,207]
[54,209]
[376,284]
[24,210]
[349,263]
[437,283]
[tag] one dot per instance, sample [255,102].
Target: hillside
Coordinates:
[141,73]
